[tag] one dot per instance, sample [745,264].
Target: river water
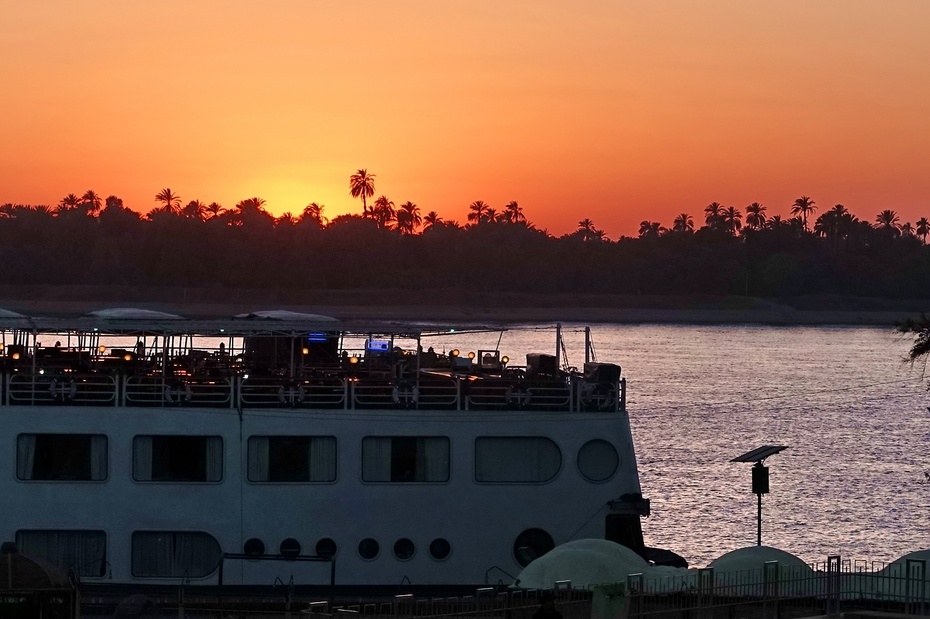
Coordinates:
[853,415]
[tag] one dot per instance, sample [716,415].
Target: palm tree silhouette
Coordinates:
[732,219]
[923,228]
[755,216]
[477,211]
[213,210]
[888,220]
[91,202]
[314,212]
[195,209]
[171,202]
[513,213]
[408,218]
[362,184]
[650,229]
[712,214]
[286,219]
[802,206]
[69,202]
[250,212]
[683,223]
[383,211]
[431,219]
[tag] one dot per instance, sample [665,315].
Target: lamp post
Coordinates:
[760,477]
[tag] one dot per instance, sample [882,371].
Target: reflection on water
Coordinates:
[852,413]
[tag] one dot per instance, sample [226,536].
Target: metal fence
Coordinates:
[772,592]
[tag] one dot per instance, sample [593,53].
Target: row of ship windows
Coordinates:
[306,459]
[195,554]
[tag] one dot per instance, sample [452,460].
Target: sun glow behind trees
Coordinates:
[619,112]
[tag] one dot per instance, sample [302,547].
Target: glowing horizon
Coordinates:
[613,111]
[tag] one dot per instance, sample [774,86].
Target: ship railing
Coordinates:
[177,391]
[64,388]
[272,392]
[504,394]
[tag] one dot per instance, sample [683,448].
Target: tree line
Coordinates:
[86,239]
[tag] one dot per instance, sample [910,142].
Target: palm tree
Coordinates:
[408,218]
[314,212]
[732,219]
[755,216]
[250,212]
[513,213]
[801,207]
[431,219]
[91,202]
[213,210]
[171,202]
[887,220]
[683,223]
[650,229]
[383,211]
[68,203]
[286,219]
[712,214]
[195,209]
[907,229]
[113,202]
[490,215]
[362,184]
[477,211]
[923,228]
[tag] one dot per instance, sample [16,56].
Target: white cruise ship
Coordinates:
[141,447]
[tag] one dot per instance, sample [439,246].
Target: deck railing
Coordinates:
[430,391]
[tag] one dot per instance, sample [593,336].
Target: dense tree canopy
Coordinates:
[86,240]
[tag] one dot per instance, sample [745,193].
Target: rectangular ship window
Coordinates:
[174,554]
[61,457]
[292,459]
[405,459]
[177,458]
[83,551]
[516,459]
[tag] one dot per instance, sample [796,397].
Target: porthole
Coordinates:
[598,460]
[368,548]
[530,545]
[326,548]
[404,549]
[440,549]
[253,547]
[289,547]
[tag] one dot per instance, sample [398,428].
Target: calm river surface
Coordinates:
[853,414]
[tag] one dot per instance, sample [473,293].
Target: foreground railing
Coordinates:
[427,392]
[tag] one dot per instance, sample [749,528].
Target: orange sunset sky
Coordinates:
[613,110]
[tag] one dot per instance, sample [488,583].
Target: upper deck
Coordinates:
[131,358]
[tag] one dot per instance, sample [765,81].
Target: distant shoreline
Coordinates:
[455,306]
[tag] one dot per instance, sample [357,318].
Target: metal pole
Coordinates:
[587,344]
[759,522]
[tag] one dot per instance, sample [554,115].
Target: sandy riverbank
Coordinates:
[456,306]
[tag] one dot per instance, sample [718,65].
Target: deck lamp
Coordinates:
[101,349]
[454,352]
[471,355]
[760,477]
[305,350]
[505,359]
[353,359]
[15,356]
